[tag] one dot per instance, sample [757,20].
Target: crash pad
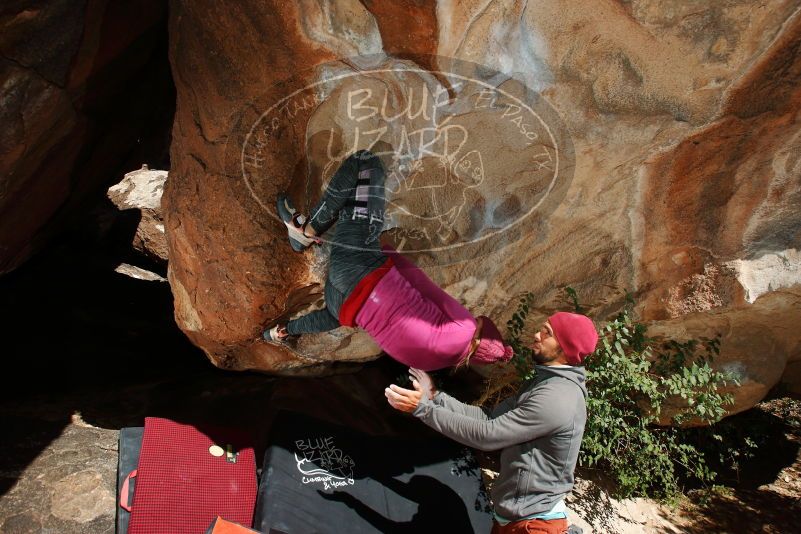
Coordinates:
[322,477]
[130,445]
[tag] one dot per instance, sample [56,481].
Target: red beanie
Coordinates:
[491,347]
[576,335]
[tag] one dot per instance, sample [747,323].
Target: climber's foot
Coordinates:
[276,334]
[294,222]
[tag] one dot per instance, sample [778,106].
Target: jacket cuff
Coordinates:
[424,407]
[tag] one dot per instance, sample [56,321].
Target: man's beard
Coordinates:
[541,359]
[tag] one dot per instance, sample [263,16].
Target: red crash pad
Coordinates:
[181,487]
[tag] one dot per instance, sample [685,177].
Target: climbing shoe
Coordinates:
[294,222]
[271,335]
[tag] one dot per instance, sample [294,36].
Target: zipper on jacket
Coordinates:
[517,485]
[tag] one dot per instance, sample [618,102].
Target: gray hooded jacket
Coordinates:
[539,431]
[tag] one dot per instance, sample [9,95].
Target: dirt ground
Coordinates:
[768,495]
[90,351]
[764,497]
[58,470]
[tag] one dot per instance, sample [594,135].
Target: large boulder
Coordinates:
[758,342]
[679,178]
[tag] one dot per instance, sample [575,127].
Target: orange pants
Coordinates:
[532,526]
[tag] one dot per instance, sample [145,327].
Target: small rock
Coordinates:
[138,273]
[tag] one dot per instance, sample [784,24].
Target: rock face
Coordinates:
[673,151]
[80,91]
[141,190]
[758,341]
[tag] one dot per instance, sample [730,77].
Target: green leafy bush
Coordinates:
[629,383]
[522,353]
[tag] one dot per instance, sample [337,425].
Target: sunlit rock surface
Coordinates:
[684,182]
[142,190]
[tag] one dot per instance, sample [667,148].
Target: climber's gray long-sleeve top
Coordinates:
[539,430]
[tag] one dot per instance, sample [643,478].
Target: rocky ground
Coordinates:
[91,350]
[766,498]
[60,455]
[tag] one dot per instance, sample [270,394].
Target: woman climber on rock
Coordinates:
[375,288]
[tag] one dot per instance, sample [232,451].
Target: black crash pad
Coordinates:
[322,478]
[129,448]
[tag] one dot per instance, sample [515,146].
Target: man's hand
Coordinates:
[405,400]
[422,382]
